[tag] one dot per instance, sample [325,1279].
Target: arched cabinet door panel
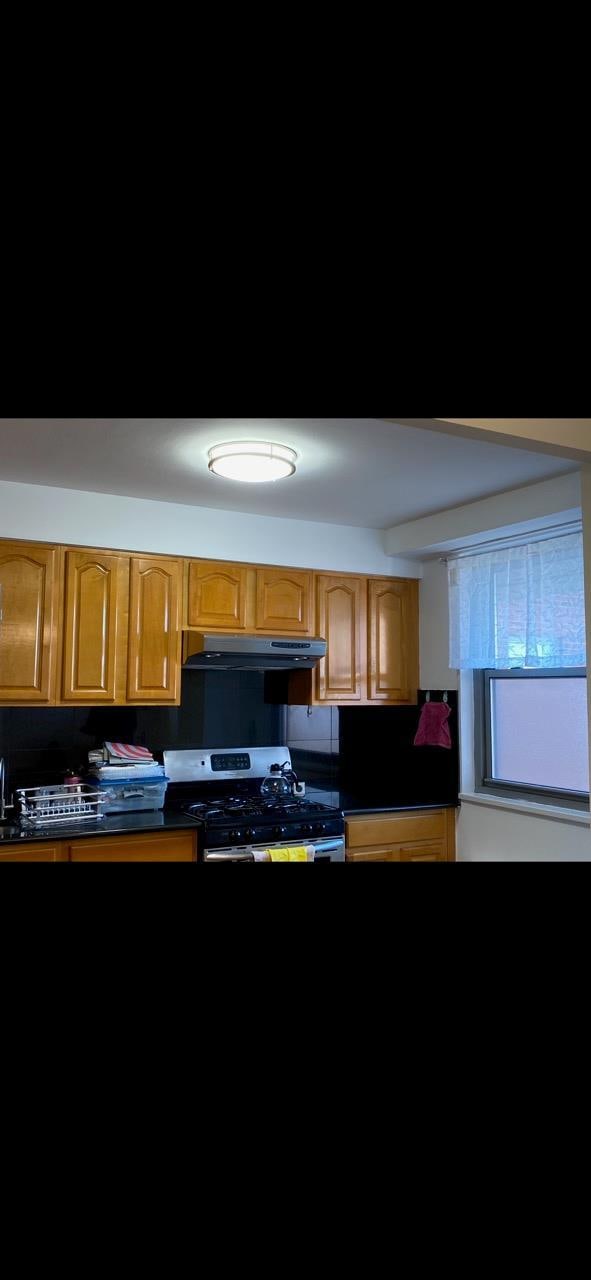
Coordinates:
[154,650]
[284,601]
[28,622]
[91,626]
[393,640]
[217,595]
[341,614]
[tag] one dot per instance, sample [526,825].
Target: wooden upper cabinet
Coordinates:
[340,615]
[153,671]
[28,623]
[284,601]
[91,626]
[393,640]
[217,595]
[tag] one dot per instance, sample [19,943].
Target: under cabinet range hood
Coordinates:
[253,653]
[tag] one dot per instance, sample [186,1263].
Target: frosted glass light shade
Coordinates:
[253,461]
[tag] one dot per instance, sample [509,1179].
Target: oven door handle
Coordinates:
[236,856]
[327,846]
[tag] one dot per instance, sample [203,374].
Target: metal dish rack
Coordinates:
[69,802]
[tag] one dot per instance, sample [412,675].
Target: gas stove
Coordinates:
[244,821]
[220,790]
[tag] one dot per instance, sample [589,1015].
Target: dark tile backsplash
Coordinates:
[377,754]
[363,751]
[368,753]
[218,709]
[313,741]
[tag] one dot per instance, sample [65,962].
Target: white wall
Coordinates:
[46,514]
[434,628]
[486,834]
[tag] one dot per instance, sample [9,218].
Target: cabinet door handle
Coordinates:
[1,615]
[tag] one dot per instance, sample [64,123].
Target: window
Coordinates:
[517,620]
[531,737]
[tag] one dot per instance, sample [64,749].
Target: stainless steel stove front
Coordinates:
[332,849]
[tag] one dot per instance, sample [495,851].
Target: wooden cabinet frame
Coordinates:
[384,641]
[178,845]
[417,835]
[30,579]
[97,596]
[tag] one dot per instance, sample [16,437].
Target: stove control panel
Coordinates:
[198,765]
[229,763]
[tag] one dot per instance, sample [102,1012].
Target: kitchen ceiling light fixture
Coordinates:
[253,461]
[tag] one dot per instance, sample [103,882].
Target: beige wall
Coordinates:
[569,433]
[567,437]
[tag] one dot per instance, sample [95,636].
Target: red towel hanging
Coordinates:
[433,730]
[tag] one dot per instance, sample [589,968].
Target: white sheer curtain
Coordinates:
[519,607]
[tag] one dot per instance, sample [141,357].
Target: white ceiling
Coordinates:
[356,471]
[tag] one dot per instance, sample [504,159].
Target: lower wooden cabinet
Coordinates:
[45,851]
[426,835]
[160,846]
[152,846]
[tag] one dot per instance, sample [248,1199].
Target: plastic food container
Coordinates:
[125,797]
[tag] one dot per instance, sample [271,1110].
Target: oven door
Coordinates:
[330,849]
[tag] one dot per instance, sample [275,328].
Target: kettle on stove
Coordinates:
[278,784]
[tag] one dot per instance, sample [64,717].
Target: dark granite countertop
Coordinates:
[173,819]
[117,824]
[368,802]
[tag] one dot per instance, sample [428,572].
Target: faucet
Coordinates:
[3,807]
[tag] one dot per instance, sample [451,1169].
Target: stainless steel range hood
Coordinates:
[253,653]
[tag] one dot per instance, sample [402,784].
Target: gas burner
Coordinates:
[279,804]
[240,804]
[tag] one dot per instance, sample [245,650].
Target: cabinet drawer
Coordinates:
[389,853]
[174,846]
[424,851]
[394,828]
[44,851]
